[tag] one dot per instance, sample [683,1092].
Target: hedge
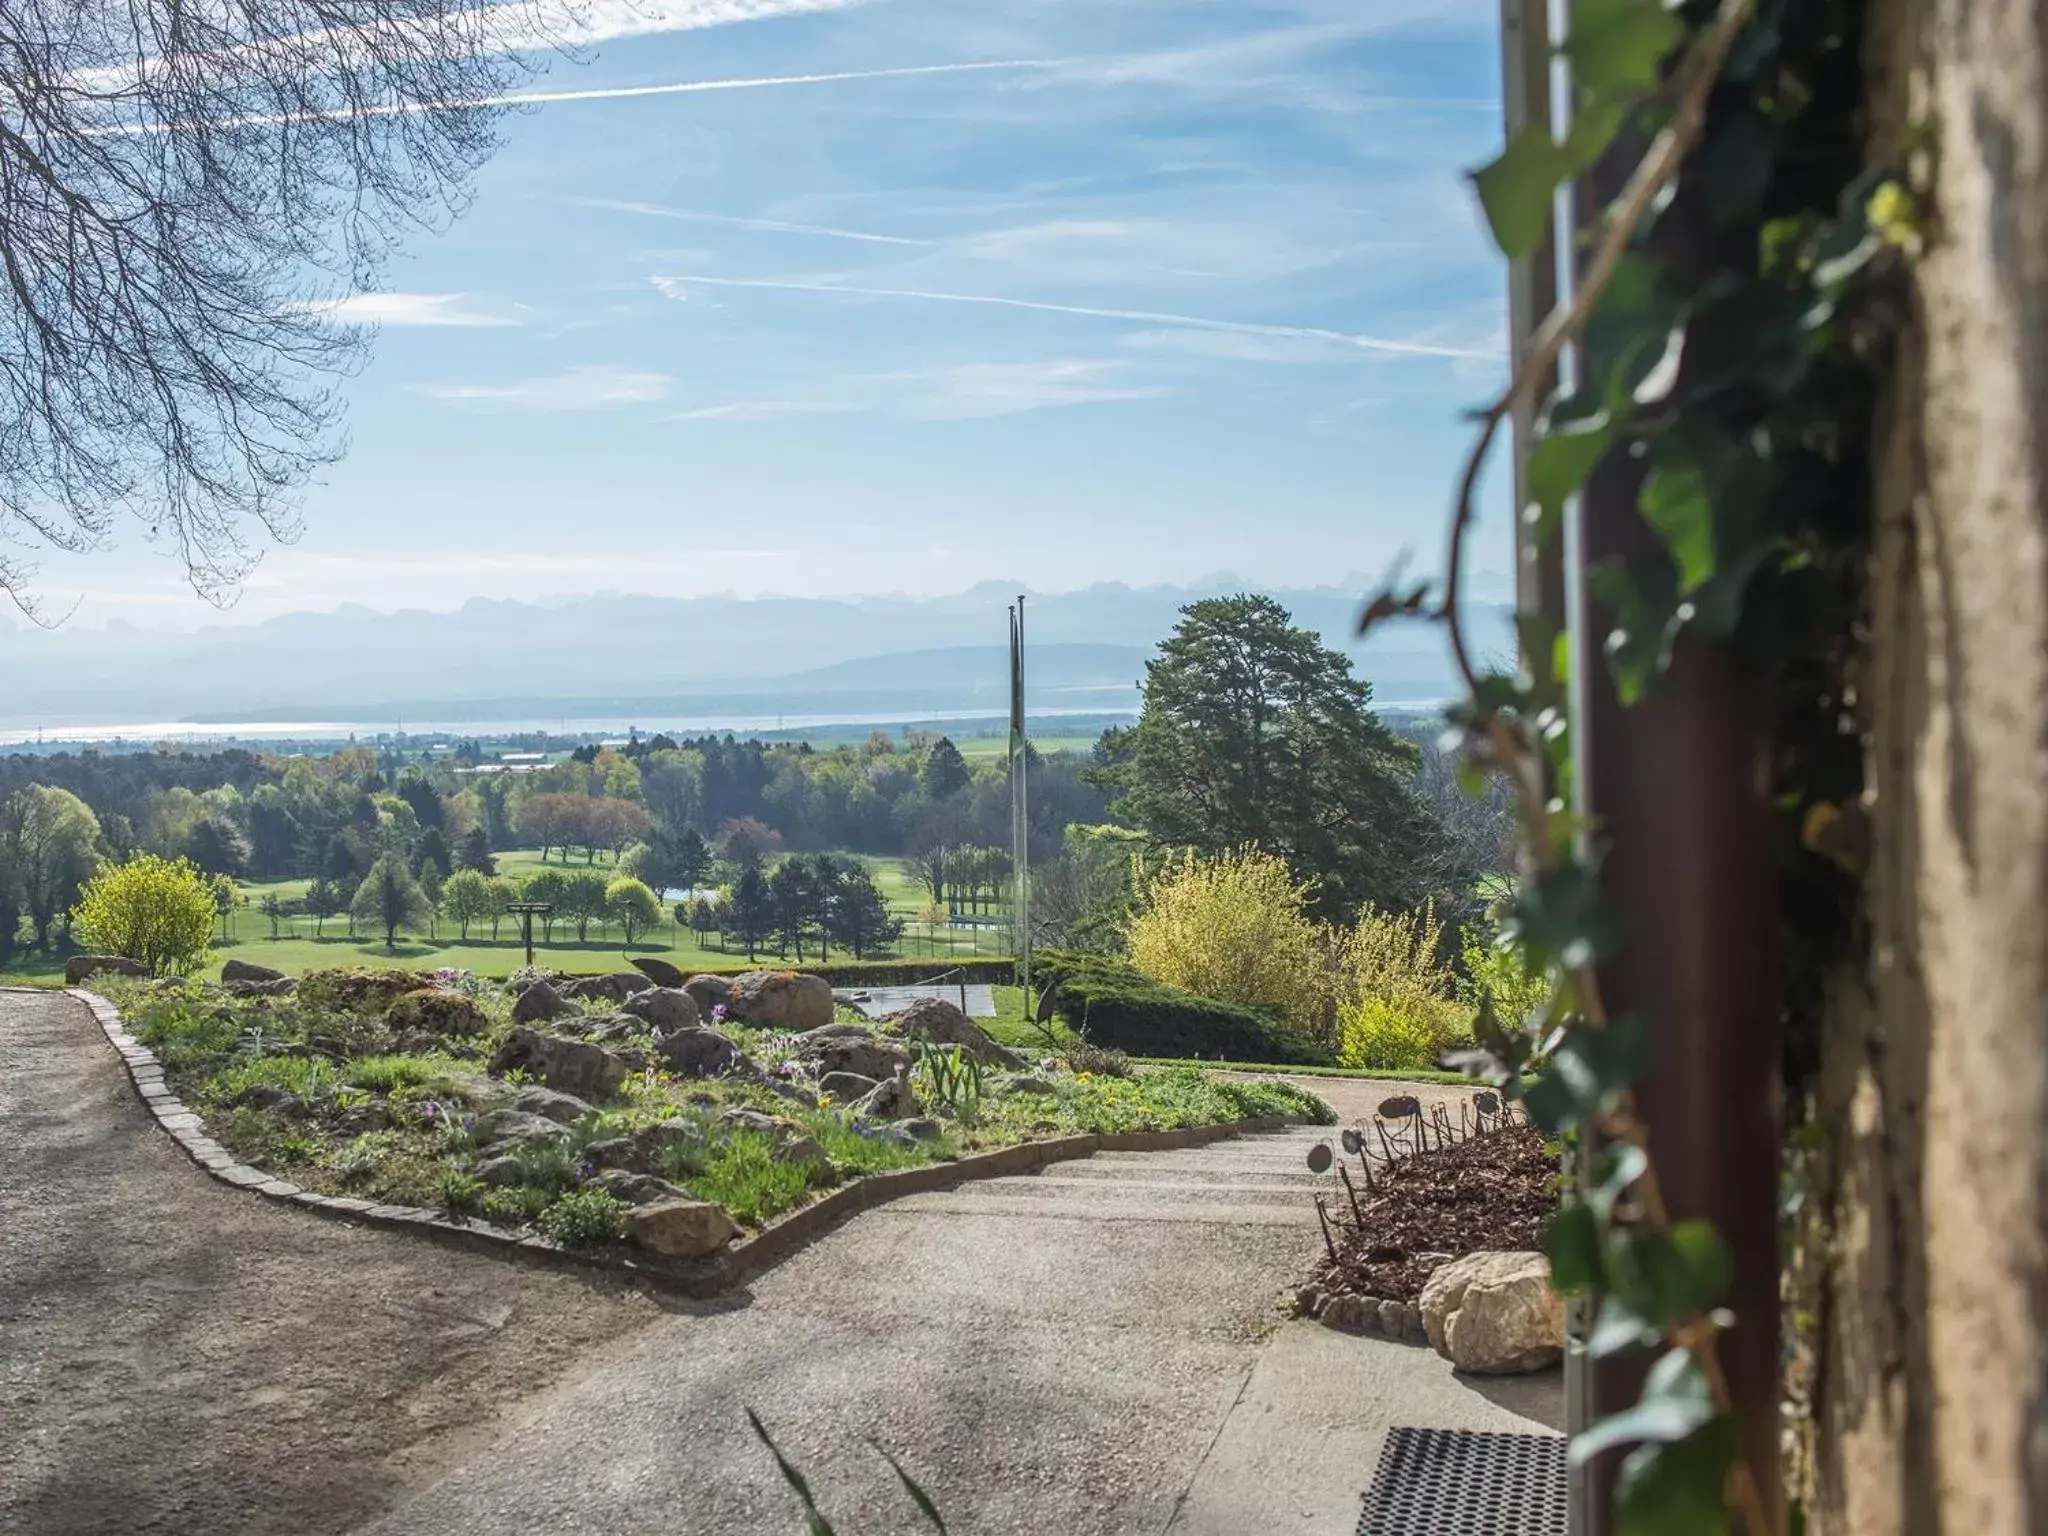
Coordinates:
[1112,1005]
[873,973]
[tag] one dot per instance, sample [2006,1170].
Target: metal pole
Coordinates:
[528,924]
[1023,903]
[1679,786]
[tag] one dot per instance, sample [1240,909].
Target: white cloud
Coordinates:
[409,309]
[676,285]
[975,390]
[1240,348]
[587,388]
[766,410]
[736,221]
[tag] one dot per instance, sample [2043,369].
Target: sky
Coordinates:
[820,297]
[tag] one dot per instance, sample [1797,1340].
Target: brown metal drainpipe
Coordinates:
[1680,786]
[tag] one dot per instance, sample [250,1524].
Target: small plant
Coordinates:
[516,1206]
[461,1193]
[1388,1033]
[548,1164]
[1099,1061]
[583,1218]
[951,1080]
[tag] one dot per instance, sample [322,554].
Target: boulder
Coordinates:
[622,1153]
[84,967]
[243,970]
[697,1052]
[637,1188]
[1494,1314]
[917,1128]
[539,1003]
[614,988]
[359,991]
[660,972]
[503,1129]
[681,1229]
[845,1087]
[573,1066]
[271,1098]
[861,1053]
[709,992]
[1019,1082]
[284,986]
[562,1108]
[667,1009]
[363,1119]
[803,1149]
[891,1100]
[437,1011]
[935,1021]
[793,1144]
[502,1171]
[781,1000]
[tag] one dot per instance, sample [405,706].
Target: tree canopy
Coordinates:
[1255,732]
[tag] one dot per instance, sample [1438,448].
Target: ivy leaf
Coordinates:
[1620,1328]
[1596,121]
[1677,502]
[1562,918]
[1586,1073]
[1564,454]
[1643,621]
[1572,1240]
[1668,1276]
[1674,1404]
[1620,43]
[1677,1488]
[1516,190]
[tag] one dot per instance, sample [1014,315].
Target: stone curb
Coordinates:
[744,1258]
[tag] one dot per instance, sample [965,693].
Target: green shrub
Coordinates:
[461,1192]
[1099,1061]
[516,1206]
[1114,1006]
[383,1074]
[547,1164]
[745,1176]
[1491,970]
[1392,1033]
[584,1218]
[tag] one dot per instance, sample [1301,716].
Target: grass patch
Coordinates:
[743,1175]
[1384,1074]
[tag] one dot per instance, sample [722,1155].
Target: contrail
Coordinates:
[1154,317]
[736,221]
[601,93]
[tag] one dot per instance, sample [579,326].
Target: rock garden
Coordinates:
[670,1112]
[1435,1233]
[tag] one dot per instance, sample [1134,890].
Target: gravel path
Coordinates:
[177,1357]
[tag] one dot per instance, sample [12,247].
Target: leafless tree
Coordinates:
[1480,829]
[187,187]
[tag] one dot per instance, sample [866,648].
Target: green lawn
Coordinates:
[298,948]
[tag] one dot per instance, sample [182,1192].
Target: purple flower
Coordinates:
[430,1109]
[718,1013]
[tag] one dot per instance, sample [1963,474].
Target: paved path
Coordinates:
[1093,1349]
[177,1357]
[976,999]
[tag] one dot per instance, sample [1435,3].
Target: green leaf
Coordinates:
[1563,455]
[1619,1327]
[1666,1277]
[1562,918]
[1598,119]
[1620,43]
[1677,503]
[1517,189]
[815,1524]
[1674,1403]
[1572,1239]
[1587,1071]
[918,1496]
[1643,620]
[1678,1487]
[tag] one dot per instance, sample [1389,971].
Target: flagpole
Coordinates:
[1023,821]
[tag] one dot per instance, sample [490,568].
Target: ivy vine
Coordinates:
[1743,385]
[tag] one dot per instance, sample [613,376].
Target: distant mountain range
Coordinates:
[626,655]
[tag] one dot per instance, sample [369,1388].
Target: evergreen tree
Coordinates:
[750,915]
[857,915]
[390,898]
[944,773]
[476,852]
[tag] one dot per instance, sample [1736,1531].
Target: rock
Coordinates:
[1020,1082]
[660,972]
[753,1120]
[573,1066]
[697,1052]
[637,1188]
[891,1100]
[780,1000]
[612,1026]
[937,1022]
[861,1053]
[270,1098]
[436,1012]
[845,1087]
[796,1093]
[651,1141]
[84,967]
[1494,1314]
[502,1171]
[359,991]
[917,1128]
[667,1009]
[562,1108]
[363,1119]
[505,1128]
[681,1229]
[620,1152]
[709,992]
[284,986]
[243,970]
[538,1004]
[614,988]
[804,1150]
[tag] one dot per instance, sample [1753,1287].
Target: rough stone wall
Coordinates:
[1933,1409]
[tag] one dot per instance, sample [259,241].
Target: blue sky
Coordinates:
[1176,288]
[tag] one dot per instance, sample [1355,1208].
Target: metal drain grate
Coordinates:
[1458,1482]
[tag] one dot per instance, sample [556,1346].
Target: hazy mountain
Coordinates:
[687,655]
